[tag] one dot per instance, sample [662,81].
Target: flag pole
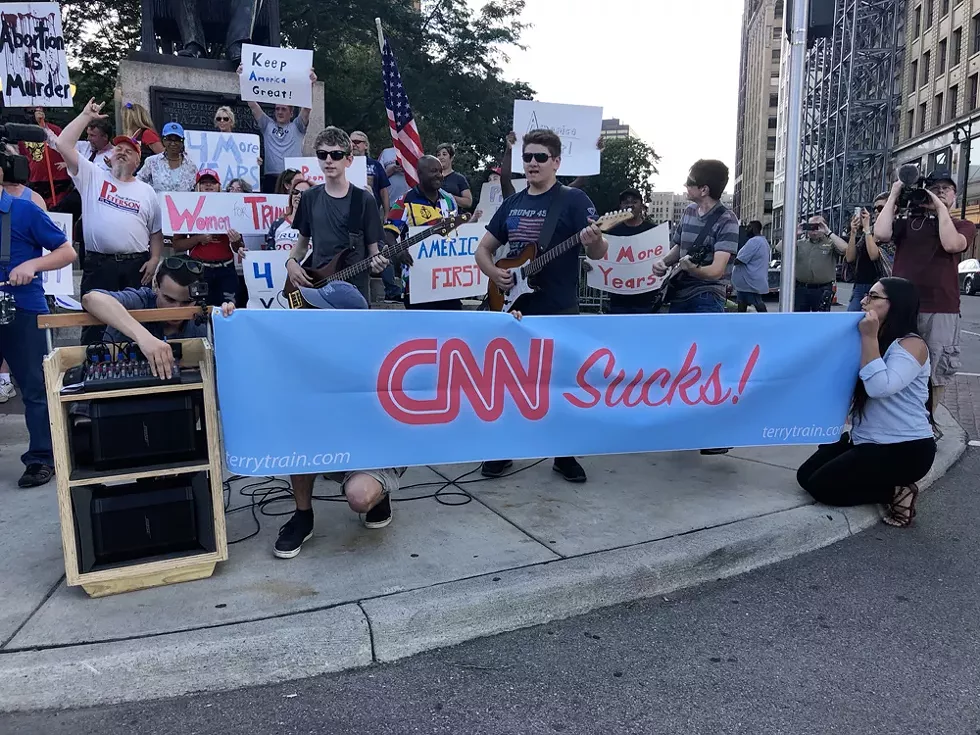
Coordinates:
[381,35]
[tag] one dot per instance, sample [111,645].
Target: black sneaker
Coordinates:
[380,515]
[495,467]
[293,534]
[569,468]
[36,475]
[707,452]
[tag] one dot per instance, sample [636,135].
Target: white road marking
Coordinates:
[970,375]
[972,334]
[974,443]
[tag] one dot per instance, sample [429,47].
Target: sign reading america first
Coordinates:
[33,64]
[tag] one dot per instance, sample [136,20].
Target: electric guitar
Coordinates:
[338,269]
[527,263]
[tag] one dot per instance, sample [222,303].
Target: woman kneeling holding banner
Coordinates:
[891,445]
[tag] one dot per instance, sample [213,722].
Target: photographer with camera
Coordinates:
[816,265]
[25,232]
[928,243]
[177,282]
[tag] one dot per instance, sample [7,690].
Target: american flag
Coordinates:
[404,132]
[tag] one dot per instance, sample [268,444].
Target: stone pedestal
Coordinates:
[189,90]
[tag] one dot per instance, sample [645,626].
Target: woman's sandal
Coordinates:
[902,509]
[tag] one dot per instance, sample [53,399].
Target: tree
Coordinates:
[626,163]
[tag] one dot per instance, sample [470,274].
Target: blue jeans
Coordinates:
[811,298]
[222,284]
[745,299]
[392,291]
[703,303]
[859,292]
[23,345]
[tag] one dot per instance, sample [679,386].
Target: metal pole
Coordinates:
[966,169]
[794,128]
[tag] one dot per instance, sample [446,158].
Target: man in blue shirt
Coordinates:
[750,274]
[22,344]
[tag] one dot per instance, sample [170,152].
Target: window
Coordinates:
[922,117]
[952,102]
[770,165]
[926,60]
[917,22]
[957,43]
[771,143]
[774,100]
[767,207]
[945,8]
[976,33]
[914,74]
[768,186]
[941,61]
[972,89]
[772,123]
[930,8]
[775,54]
[937,110]
[910,122]
[777,34]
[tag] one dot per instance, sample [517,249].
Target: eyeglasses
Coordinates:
[175,263]
[539,157]
[335,155]
[872,296]
[359,142]
[173,139]
[222,119]
[941,189]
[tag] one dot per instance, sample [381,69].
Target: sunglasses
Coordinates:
[175,263]
[692,182]
[335,155]
[539,157]
[173,139]
[222,119]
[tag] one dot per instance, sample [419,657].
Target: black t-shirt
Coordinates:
[634,300]
[518,223]
[865,269]
[324,219]
[455,184]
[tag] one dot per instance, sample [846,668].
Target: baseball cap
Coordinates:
[126,140]
[940,174]
[208,172]
[336,295]
[173,128]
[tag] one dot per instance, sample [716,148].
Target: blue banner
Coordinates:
[317,391]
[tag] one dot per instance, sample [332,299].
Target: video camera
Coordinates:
[913,198]
[15,168]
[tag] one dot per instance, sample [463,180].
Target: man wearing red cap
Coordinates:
[121,219]
[215,252]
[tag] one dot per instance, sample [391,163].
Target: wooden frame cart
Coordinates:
[129,576]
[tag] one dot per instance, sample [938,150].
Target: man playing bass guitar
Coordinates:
[557,212]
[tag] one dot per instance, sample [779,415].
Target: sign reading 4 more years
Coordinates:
[232,155]
[445,266]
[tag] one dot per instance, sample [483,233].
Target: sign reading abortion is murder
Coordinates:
[577,126]
[628,265]
[279,76]
[193,213]
[445,266]
[440,387]
[33,64]
[309,166]
[232,155]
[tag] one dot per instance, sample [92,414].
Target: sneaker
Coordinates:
[293,534]
[36,475]
[495,467]
[569,468]
[7,391]
[707,452]
[380,515]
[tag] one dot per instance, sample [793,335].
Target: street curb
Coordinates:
[392,627]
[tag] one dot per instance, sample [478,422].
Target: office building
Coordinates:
[613,128]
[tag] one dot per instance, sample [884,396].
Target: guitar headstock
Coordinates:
[611,219]
[450,223]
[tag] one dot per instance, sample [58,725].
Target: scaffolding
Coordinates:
[851,106]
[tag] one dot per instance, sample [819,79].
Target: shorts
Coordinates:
[388,477]
[941,333]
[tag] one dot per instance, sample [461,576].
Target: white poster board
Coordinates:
[627,267]
[232,155]
[33,63]
[60,282]
[445,265]
[265,276]
[491,198]
[193,213]
[577,126]
[310,168]
[279,76]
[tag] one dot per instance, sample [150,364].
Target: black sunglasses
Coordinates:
[172,139]
[222,119]
[175,263]
[692,182]
[539,157]
[335,155]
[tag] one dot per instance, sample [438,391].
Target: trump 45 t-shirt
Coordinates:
[119,216]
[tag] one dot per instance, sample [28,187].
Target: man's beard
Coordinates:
[121,170]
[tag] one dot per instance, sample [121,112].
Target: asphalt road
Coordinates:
[876,634]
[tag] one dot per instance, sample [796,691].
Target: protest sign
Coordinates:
[439,387]
[193,213]
[279,76]
[628,265]
[491,198]
[60,282]
[33,63]
[577,126]
[265,276]
[232,155]
[309,166]
[445,266]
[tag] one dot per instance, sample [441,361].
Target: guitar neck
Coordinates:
[388,251]
[551,253]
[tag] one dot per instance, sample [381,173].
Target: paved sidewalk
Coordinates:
[528,549]
[963,399]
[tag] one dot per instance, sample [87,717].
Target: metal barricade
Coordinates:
[589,299]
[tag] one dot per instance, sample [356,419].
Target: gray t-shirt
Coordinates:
[281,142]
[324,219]
[750,273]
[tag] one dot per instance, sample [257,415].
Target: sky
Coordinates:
[667,68]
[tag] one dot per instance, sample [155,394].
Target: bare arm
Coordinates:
[304,113]
[385,200]
[39,200]
[464,200]
[871,246]
[256,111]
[715,270]
[65,143]
[950,238]
[850,255]
[155,147]
[886,219]
[299,249]
[109,311]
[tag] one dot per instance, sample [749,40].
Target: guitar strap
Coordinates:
[709,225]
[551,219]
[355,218]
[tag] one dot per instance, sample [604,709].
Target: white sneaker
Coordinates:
[7,391]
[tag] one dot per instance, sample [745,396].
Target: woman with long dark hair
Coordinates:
[890,446]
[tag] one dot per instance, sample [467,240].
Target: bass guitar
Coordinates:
[527,263]
[339,270]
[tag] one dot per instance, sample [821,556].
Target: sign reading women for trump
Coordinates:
[628,265]
[279,76]
[193,213]
[445,266]
[232,155]
[33,65]
[310,168]
[439,387]
[578,127]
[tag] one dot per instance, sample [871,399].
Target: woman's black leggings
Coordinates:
[845,474]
